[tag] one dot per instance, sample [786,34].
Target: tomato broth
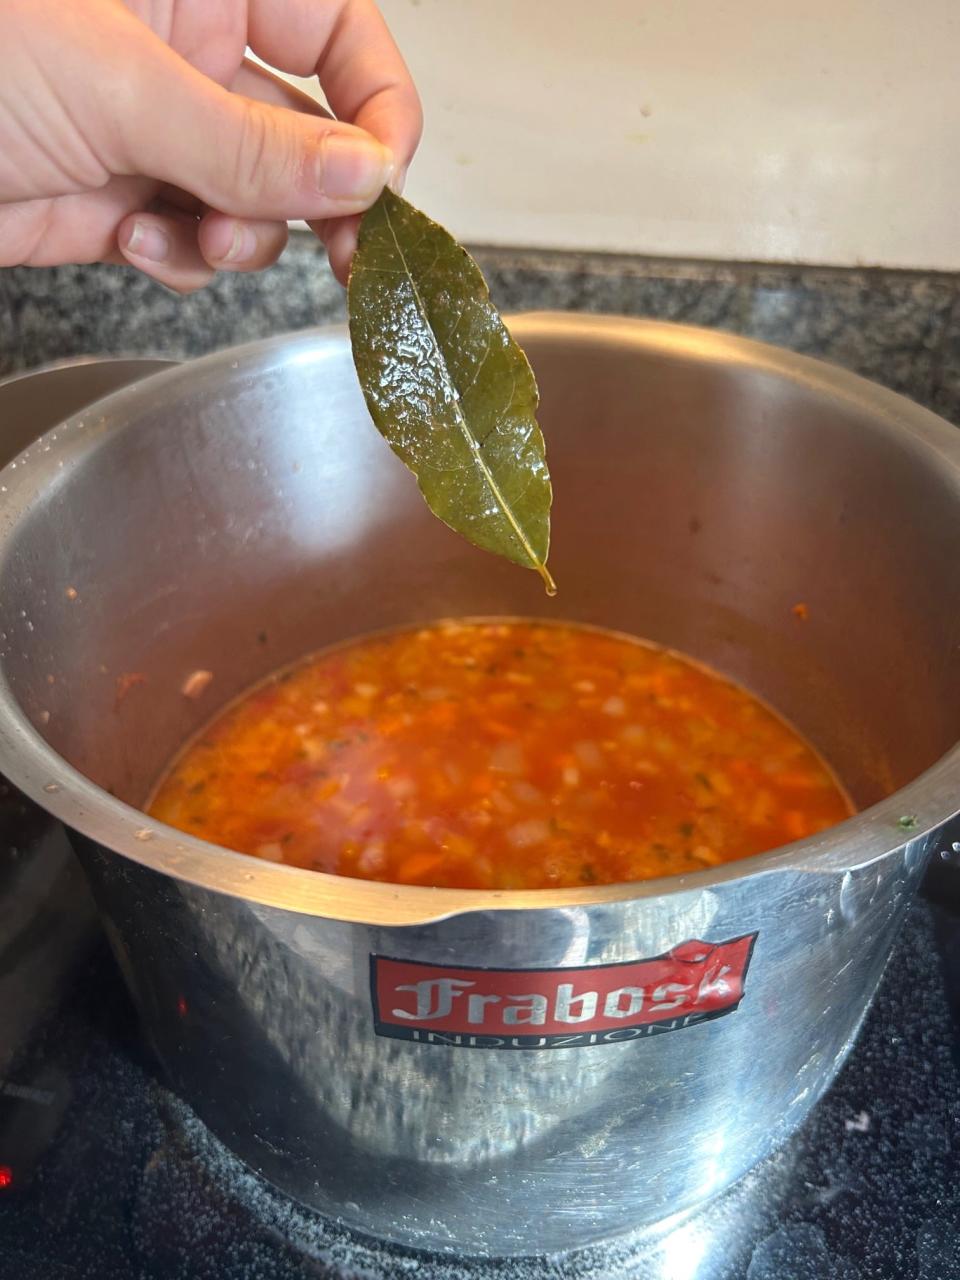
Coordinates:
[500,754]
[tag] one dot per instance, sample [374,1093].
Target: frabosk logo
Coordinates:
[476,1008]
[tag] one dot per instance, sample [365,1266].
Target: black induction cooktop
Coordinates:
[104,1175]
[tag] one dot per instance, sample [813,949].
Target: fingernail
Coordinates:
[398,181]
[352,168]
[148,241]
[243,244]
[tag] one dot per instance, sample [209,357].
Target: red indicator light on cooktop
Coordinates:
[6,1177]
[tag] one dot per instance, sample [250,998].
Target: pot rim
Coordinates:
[905,818]
[68,363]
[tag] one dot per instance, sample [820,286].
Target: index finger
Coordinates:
[348,45]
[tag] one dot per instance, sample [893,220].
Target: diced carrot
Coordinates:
[442,714]
[795,824]
[661,682]
[798,779]
[419,866]
[499,729]
[743,770]
[390,725]
[129,680]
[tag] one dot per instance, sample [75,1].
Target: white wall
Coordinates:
[813,130]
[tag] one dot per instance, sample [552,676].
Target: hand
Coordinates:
[136,132]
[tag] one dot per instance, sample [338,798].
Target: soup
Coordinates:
[504,754]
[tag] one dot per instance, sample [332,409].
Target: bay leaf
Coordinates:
[446,385]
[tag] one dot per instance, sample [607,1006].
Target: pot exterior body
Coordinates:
[374,1092]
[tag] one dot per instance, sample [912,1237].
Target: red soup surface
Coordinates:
[508,755]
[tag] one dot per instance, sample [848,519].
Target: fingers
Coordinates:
[164,247]
[363,75]
[350,47]
[74,228]
[254,81]
[244,157]
[366,81]
[183,252]
[340,237]
[260,160]
[230,244]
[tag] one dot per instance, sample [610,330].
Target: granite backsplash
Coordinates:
[899,328]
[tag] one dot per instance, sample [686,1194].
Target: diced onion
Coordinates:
[507,757]
[373,858]
[502,804]
[527,793]
[589,754]
[524,834]
[634,735]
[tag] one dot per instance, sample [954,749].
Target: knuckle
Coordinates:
[261,150]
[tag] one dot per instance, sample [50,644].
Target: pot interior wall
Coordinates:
[232,516]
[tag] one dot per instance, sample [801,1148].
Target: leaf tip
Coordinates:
[548,583]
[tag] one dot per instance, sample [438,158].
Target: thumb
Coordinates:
[243,157]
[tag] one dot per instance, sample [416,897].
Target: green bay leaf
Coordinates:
[446,385]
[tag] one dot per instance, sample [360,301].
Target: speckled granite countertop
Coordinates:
[900,328]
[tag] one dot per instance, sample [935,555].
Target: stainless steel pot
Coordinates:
[34,400]
[240,511]
[47,918]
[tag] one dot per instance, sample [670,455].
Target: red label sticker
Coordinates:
[558,1008]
